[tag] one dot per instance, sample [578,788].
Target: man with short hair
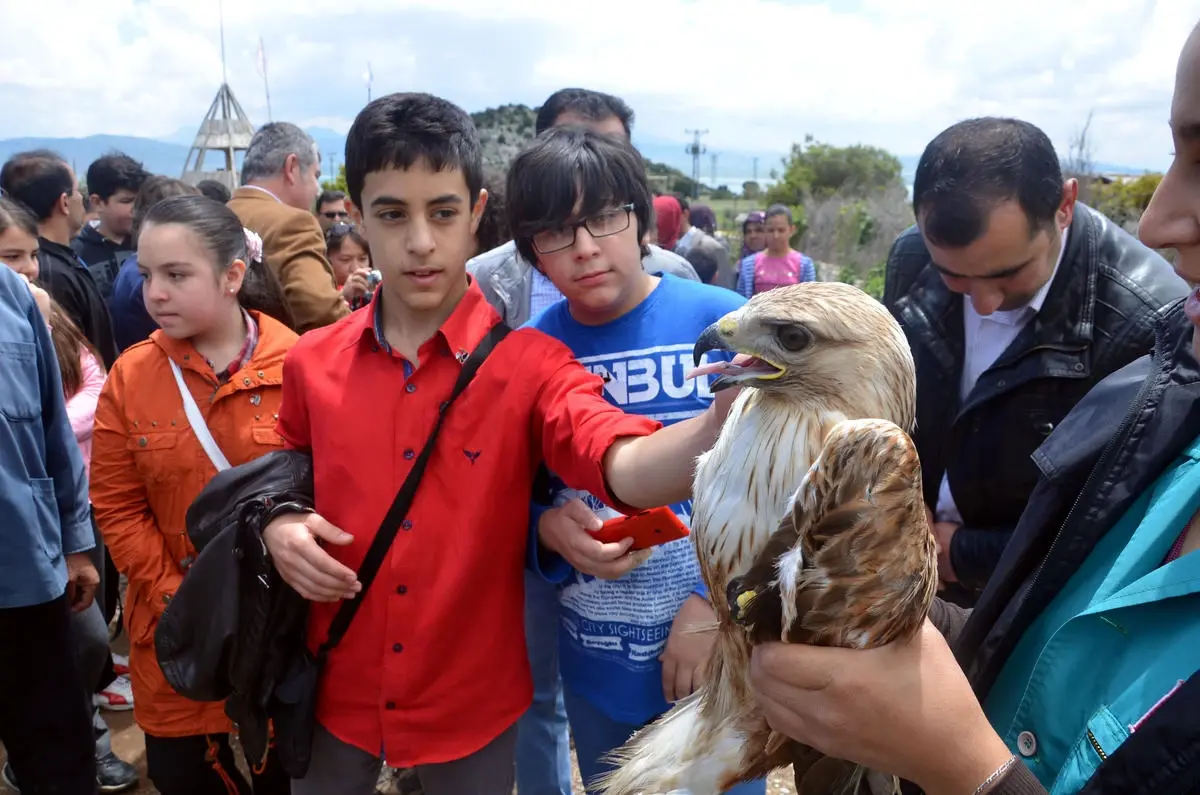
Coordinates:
[1016,300]
[112,182]
[331,209]
[43,182]
[519,292]
[280,176]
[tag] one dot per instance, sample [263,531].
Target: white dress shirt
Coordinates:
[985,337]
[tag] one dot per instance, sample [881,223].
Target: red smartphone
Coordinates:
[646,528]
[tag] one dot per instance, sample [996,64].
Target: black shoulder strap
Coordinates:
[404,497]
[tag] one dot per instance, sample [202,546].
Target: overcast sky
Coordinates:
[758,74]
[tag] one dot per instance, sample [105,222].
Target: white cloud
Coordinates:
[758,74]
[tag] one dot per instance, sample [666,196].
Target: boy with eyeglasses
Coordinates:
[579,205]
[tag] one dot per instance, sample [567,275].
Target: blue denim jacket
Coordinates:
[44,512]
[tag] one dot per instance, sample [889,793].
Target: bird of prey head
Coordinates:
[824,337]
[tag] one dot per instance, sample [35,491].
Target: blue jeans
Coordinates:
[596,734]
[543,741]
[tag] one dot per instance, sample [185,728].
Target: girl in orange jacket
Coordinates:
[202,277]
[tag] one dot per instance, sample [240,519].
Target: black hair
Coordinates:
[683,203]
[154,190]
[588,104]
[571,173]
[217,191]
[778,209]
[337,234]
[14,213]
[976,164]
[705,262]
[221,232]
[493,226]
[37,179]
[113,172]
[328,197]
[398,130]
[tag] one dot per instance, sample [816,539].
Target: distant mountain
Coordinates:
[160,157]
[503,131]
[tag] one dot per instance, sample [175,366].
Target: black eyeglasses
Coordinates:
[334,215]
[609,222]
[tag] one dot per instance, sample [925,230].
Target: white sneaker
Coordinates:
[120,665]
[117,697]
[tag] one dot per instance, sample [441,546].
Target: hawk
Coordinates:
[808,521]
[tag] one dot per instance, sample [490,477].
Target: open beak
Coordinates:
[744,367]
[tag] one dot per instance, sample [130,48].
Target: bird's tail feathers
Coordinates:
[678,752]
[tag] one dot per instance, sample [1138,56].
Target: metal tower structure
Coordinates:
[223,135]
[696,149]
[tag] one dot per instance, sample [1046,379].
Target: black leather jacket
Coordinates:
[1102,458]
[234,628]
[1099,315]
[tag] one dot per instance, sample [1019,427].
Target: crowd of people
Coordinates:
[186,331]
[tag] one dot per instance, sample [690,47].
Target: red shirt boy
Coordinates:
[433,669]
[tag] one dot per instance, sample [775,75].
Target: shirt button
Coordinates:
[374,348]
[1026,744]
[409,454]
[402,589]
[406,524]
[396,647]
[410,388]
[390,705]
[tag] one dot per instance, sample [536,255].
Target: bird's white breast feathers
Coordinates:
[745,483]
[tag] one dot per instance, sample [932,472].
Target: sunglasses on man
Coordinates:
[335,215]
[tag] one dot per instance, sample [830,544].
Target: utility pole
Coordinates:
[756,169]
[695,149]
[713,175]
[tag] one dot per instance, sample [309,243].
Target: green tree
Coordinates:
[816,170]
[338,183]
[722,192]
[751,190]
[1124,201]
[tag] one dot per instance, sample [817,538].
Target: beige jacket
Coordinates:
[294,249]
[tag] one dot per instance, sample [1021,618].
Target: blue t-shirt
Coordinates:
[613,631]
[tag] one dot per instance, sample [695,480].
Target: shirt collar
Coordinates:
[461,332]
[1039,297]
[264,190]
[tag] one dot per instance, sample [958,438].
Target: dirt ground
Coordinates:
[129,745]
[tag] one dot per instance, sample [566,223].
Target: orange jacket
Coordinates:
[148,466]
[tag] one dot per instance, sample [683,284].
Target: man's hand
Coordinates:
[82,581]
[943,534]
[904,709]
[356,286]
[685,659]
[292,540]
[568,530]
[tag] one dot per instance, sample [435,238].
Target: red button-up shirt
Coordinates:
[434,664]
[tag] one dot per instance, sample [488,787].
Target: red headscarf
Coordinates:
[667,214]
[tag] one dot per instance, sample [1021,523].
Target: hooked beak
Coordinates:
[715,338]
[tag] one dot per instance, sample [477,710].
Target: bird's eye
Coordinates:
[793,338]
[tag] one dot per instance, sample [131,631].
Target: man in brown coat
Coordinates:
[279,185]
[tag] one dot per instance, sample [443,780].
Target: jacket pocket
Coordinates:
[142,620]
[1102,736]
[267,436]
[20,400]
[155,456]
